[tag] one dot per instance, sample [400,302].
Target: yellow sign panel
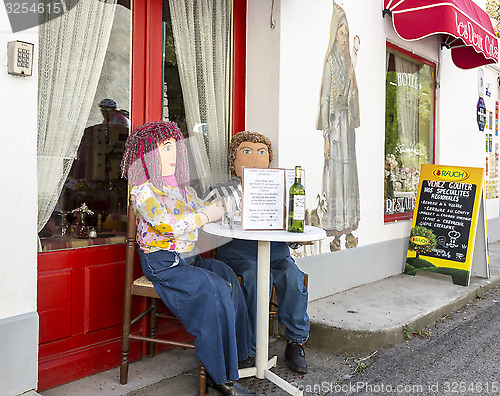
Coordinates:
[450,205]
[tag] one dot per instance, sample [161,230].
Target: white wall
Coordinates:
[18,202]
[491,79]
[459,140]
[305,31]
[18,213]
[287,113]
[263,59]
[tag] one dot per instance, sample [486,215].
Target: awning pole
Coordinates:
[448,44]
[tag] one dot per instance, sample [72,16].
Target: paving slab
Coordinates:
[372,316]
[142,373]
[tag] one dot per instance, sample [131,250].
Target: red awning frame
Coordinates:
[465,27]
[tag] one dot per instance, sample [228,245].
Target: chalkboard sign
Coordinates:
[448,234]
[446,209]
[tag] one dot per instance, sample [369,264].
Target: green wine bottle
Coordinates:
[297,204]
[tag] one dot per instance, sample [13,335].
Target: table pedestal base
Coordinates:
[264,238]
[287,387]
[268,374]
[252,371]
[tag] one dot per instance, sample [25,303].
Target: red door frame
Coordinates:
[239,64]
[67,304]
[147,63]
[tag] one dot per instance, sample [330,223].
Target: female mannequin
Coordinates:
[204,294]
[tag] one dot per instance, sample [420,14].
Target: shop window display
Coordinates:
[409,129]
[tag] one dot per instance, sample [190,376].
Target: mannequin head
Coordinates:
[154,150]
[168,155]
[249,149]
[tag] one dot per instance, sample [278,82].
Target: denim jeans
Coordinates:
[288,279]
[204,294]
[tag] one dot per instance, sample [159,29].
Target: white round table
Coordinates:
[264,238]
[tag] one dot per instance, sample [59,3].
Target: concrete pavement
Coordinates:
[345,328]
[371,316]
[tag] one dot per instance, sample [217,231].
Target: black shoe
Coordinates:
[247,363]
[296,357]
[230,388]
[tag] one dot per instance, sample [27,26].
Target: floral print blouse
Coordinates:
[166,220]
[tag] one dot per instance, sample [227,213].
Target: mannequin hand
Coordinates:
[213,212]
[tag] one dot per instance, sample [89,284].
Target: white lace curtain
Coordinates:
[202,36]
[71,53]
[407,95]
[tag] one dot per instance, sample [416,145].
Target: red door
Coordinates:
[80,291]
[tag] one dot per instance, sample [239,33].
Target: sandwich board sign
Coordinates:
[448,234]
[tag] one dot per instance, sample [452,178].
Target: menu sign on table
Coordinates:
[448,234]
[263,199]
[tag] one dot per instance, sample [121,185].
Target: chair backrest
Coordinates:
[130,248]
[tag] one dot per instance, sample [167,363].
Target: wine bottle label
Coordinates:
[299,207]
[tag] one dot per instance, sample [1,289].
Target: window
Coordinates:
[197,53]
[91,208]
[409,129]
[200,69]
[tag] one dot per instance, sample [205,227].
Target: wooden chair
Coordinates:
[144,288]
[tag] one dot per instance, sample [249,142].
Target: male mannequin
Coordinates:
[255,150]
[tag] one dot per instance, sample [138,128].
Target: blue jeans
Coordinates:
[204,294]
[288,279]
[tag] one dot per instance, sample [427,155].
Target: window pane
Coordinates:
[95,177]
[173,103]
[409,129]
[197,83]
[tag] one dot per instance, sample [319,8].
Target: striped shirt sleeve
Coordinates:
[230,189]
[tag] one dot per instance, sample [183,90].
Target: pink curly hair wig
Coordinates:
[246,136]
[141,160]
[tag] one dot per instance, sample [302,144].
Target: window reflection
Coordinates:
[173,103]
[94,193]
[409,129]
[197,83]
